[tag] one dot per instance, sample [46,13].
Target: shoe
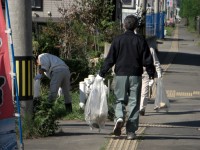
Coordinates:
[131,136]
[68,108]
[156,108]
[142,112]
[163,105]
[118,126]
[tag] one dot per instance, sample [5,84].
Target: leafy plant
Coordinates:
[169,30]
[80,36]
[79,69]
[44,118]
[111,106]
[77,112]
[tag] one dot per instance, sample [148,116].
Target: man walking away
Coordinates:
[129,53]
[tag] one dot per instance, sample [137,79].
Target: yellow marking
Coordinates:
[173,93]
[196,93]
[23,79]
[29,78]
[127,144]
[17,73]
[121,144]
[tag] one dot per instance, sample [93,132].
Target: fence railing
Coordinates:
[155,27]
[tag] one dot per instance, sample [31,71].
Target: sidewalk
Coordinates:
[73,135]
[177,129]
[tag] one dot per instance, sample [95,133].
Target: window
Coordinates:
[37,4]
[128,3]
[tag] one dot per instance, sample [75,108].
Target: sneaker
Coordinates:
[142,112]
[118,126]
[156,108]
[131,136]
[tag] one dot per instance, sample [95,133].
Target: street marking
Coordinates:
[119,143]
[164,126]
[174,93]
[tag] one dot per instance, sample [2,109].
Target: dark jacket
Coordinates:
[129,52]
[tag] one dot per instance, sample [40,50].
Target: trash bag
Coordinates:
[96,108]
[161,100]
[36,88]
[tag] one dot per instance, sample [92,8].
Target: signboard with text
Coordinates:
[7,120]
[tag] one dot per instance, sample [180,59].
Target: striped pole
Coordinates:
[14,76]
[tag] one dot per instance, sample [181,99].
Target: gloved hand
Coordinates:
[159,74]
[81,105]
[99,78]
[151,82]
[38,77]
[59,92]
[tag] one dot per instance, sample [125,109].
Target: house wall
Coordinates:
[50,8]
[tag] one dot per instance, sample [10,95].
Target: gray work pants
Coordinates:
[60,78]
[128,87]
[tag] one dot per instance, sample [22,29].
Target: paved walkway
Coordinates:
[177,129]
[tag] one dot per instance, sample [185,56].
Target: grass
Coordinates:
[170,30]
[77,113]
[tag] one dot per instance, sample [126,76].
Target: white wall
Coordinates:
[52,6]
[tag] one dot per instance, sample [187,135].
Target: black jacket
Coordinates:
[129,52]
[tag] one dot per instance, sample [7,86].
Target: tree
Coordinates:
[189,9]
[86,24]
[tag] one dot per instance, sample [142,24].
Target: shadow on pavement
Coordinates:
[164,137]
[59,134]
[176,39]
[178,113]
[195,123]
[181,58]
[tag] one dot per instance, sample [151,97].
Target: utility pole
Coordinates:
[164,5]
[143,16]
[156,21]
[162,19]
[21,25]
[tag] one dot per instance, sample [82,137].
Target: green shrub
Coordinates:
[28,129]
[77,112]
[111,106]
[79,69]
[44,117]
[170,30]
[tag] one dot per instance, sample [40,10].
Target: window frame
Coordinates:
[35,8]
[132,5]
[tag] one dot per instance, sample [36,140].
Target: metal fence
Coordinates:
[150,30]
[155,25]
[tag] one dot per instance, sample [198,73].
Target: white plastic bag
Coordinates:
[36,88]
[161,100]
[96,108]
